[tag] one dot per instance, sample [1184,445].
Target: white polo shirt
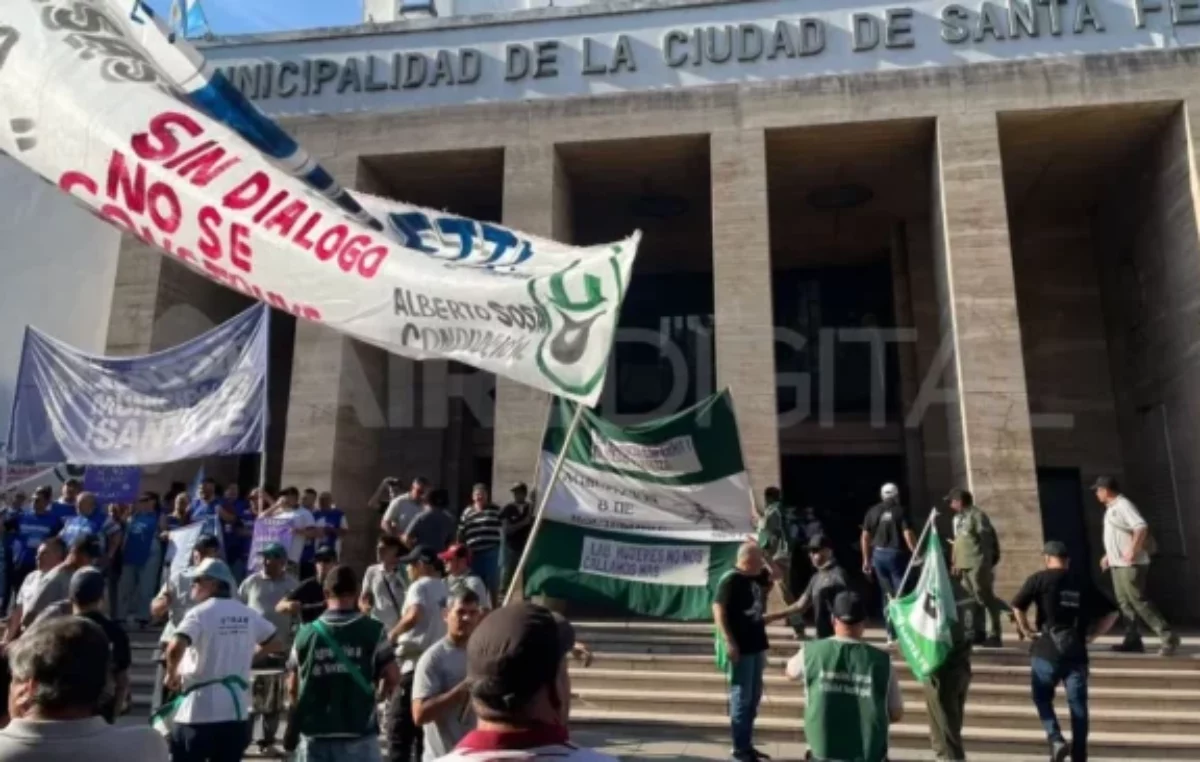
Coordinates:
[302,519]
[1121,520]
[223,633]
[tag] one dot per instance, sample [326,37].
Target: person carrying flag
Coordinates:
[851,695]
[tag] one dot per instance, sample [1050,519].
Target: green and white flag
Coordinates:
[923,619]
[643,518]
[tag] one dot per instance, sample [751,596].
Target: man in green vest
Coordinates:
[340,663]
[850,691]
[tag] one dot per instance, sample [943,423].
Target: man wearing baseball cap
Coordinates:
[220,636]
[173,601]
[887,541]
[421,625]
[823,587]
[263,591]
[459,577]
[520,688]
[975,554]
[1071,613]
[850,691]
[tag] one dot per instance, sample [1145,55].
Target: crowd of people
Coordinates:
[851,690]
[291,648]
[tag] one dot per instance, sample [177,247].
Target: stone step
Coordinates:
[906,735]
[1014,652]
[776,685]
[1016,674]
[979,714]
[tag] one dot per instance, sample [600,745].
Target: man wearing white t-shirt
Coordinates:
[421,624]
[1125,540]
[209,661]
[304,525]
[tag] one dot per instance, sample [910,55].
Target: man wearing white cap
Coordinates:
[887,542]
[209,661]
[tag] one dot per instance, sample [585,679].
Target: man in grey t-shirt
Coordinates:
[404,508]
[441,693]
[433,527]
[55,585]
[264,589]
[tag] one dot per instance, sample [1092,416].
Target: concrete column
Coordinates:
[909,381]
[744,323]
[336,414]
[991,442]
[537,200]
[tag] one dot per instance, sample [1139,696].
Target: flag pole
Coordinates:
[266,413]
[754,509]
[542,500]
[933,512]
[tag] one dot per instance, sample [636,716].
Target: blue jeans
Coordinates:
[365,749]
[745,692]
[889,568]
[1074,676]
[485,564]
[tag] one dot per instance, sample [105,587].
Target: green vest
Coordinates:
[332,704]
[845,708]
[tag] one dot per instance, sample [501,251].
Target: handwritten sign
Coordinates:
[267,531]
[685,565]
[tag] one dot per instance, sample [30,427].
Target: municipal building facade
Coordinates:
[938,244]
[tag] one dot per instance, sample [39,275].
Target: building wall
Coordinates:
[1150,274]
[58,263]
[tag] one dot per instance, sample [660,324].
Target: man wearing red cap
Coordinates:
[459,577]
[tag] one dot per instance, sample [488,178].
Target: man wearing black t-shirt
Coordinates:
[1071,613]
[887,542]
[738,613]
[308,600]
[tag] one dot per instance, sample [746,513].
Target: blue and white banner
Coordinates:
[205,397]
[104,102]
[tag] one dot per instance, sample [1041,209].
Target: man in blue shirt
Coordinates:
[206,505]
[235,512]
[139,573]
[64,508]
[308,501]
[32,528]
[331,520]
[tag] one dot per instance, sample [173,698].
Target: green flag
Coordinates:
[643,519]
[923,618]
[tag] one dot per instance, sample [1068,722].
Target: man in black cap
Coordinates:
[827,581]
[1071,613]
[518,520]
[850,691]
[421,625]
[520,688]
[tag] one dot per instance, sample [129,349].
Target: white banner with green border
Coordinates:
[642,518]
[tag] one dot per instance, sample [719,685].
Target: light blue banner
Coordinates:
[205,397]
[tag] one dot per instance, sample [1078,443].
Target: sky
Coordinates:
[250,16]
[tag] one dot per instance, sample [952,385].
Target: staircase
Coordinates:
[656,680]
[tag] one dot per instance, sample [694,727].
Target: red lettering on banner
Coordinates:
[132,189]
[160,142]
[248,193]
[275,201]
[326,248]
[302,240]
[208,167]
[117,214]
[69,180]
[195,150]
[239,250]
[287,217]
[350,253]
[371,260]
[210,243]
[167,222]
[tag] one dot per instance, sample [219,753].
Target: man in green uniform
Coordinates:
[946,698]
[775,535]
[851,694]
[976,553]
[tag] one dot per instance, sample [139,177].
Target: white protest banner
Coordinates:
[267,531]
[144,133]
[681,565]
[180,543]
